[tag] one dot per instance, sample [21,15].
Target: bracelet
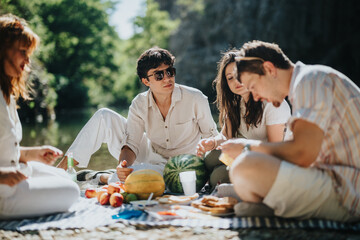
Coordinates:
[246,148]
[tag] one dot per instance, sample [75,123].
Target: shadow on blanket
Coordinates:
[87,213]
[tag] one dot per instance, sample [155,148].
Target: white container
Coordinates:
[188,182]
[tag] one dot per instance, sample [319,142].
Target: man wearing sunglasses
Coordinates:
[167,120]
[317,173]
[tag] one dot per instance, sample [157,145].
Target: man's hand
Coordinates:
[123,171]
[234,147]
[204,146]
[11,178]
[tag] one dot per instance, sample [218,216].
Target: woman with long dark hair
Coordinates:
[240,116]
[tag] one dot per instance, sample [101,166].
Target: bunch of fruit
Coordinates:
[113,194]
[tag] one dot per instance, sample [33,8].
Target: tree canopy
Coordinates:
[82,62]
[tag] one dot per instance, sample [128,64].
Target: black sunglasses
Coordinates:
[159,75]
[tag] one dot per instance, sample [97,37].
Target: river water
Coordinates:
[62,132]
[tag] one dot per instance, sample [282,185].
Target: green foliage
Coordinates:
[83,45]
[153,29]
[81,60]
[76,51]
[315,32]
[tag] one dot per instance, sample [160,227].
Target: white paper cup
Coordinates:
[188,182]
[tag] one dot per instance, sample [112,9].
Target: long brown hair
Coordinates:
[14,32]
[229,104]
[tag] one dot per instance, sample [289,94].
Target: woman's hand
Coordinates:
[123,171]
[204,146]
[45,154]
[11,178]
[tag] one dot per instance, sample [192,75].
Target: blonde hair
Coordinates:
[14,30]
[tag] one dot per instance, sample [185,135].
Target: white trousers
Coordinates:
[107,126]
[46,190]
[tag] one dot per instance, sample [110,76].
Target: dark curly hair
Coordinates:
[266,51]
[152,58]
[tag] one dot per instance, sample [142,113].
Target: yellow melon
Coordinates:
[144,182]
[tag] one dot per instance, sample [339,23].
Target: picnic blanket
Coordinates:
[87,213]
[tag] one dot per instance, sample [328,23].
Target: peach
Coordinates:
[104,198]
[99,193]
[116,199]
[113,188]
[90,193]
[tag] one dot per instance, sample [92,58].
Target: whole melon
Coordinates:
[144,182]
[183,163]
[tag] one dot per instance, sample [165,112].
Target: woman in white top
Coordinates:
[240,116]
[167,120]
[28,186]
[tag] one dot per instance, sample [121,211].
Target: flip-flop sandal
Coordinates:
[87,174]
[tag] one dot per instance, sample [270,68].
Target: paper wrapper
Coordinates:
[226,159]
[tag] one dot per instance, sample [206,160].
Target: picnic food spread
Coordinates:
[148,184]
[182,206]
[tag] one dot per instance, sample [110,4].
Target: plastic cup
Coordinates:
[188,182]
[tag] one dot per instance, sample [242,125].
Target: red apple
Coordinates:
[113,188]
[99,193]
[104,198]
[90,193]
[116,199]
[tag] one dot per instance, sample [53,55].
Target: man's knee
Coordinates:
[244,168]
[102,111]
[105,112]
[109,115]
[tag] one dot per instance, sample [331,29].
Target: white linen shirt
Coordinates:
[327,98]
[271,115]
[189,119]
[10,133]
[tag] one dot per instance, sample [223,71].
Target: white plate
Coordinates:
[141,204]
[219,214]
